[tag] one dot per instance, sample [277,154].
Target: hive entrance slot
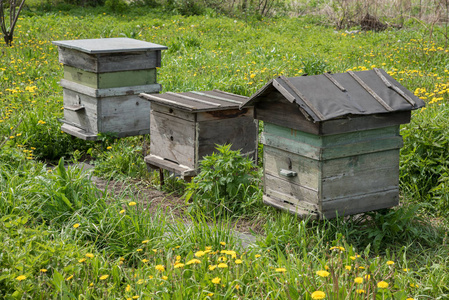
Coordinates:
[171,160]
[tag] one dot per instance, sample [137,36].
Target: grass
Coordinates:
[61,237]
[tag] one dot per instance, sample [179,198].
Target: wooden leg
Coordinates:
[161,176]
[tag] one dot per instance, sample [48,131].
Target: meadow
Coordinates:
[62,238]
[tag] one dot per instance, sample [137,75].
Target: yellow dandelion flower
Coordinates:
[90,255]
[164,277]
[146,241]
[222,258]
[140,281]
[160,268]
[122,211]
[178,265]
[43,270]
[132,203]
[237,287]
[139,250]
[81,260]
[193,261]
[145,260]
[222,265]
[128,288]
[322,273]
[68,278]
[109,148]
[390,262]
[367,277]
[318,295]
[210,294]
[358,280]
[281,270]
[104,277]
[406,270]
[76,225]
[199,254]
[257,255]
[135,297]
[21,277]
[360,291]
[348,268]
[216,280]
[382,285]
[238,261]
[212,267]
[223,243]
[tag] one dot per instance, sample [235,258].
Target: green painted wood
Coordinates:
[111,79]
[322,153]
[330,140]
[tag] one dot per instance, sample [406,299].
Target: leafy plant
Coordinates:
[228,184]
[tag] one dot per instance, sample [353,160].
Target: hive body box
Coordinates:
[185,127]
[322,161]
[102,81]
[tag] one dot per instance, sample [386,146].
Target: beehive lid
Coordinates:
[198,101]
[330,96]
[109,45]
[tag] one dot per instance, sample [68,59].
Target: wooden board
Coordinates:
[175,112]
[361,203]
[302,213]
[78,132]
[87,119]
[156,162]
[173,138]
[241,132]
[110,62]
[322,153]
[111,79]
[118,91]
[308,170]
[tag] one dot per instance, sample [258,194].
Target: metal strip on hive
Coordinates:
[193,99]
[230,94]
[303,98]
[395,88]
[334,81]
[216,97]
[370,91]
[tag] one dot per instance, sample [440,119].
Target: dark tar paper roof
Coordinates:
[330,96]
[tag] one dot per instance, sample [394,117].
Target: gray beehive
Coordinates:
[185,127]
[331,142]
[102,81]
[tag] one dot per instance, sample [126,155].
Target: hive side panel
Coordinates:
[114,62]
[307,170]
[125,115]
[241,132]
[360,203]
[86,118]
[174,112]
[173,138]
[78,59]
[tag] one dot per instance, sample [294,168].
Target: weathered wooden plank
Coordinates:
[322,153]
[111,79]
[110,62]
[289,192]
[290,208]
[225,114]
[78,132]
[86,118]
[157,162]
[241,132]
[330,140]
[357,182]
[359,123]
[360,203]
[173,138]
[276,110]
[124,114]
[308,170]
[175,112]
[119,91]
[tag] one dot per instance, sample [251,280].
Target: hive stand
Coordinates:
[331,142]
[102,81]
[185,127]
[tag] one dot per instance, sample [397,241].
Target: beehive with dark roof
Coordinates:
[331,141]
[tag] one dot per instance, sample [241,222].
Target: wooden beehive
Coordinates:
[102,82]
[185,127]
[331,142]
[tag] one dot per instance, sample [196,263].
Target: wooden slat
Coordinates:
[216,97]
[370,91]
[173,138]
[166,101]
[335,82]
[173,111]
[230,94]
[119,91]
[154,162]
[296,210]
[303,98]
[78,132]
[395,88]
[179,95]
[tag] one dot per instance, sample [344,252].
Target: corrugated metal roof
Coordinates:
[198,101]
[330,96]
